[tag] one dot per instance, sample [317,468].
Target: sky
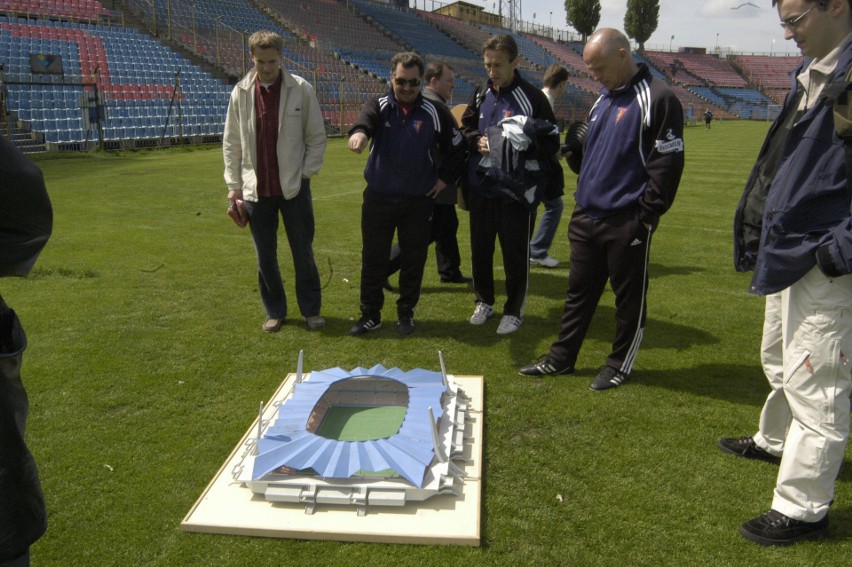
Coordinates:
[749,26]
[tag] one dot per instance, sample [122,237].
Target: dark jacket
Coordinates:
[409,152]
[488,107]
[449,195]
[800,217]
[634,153]
[26,220]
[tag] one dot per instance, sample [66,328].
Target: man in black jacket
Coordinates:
[416,153]
[26,220]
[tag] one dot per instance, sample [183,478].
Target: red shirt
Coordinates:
[266,104]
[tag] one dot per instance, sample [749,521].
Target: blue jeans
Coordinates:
[547,228]
[298,216]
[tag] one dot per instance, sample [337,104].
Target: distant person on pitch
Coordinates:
[273,144]
[708,118]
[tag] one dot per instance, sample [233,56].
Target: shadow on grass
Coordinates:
[735,383]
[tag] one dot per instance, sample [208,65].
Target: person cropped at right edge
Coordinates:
[793,229]
[632,164]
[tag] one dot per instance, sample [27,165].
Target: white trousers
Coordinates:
[807,339]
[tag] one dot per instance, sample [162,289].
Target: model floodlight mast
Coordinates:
[364,437]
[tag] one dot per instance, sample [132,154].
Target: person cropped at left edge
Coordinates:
[409,137]
[26,221]
[273,145]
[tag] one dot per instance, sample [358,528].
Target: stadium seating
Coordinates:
[342,47]
[137,90]
[72,9]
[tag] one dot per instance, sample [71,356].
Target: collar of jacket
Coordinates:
[641,74]
[392,100]
[516,80]
[247,82]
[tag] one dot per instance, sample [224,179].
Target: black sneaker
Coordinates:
[774,528]
[405,325]
[746,447]
[456,278]
[365,325]
[608,377]
[546,366]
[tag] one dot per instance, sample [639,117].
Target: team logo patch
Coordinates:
[621,112]
[418,124]
[507,113]
[671,144]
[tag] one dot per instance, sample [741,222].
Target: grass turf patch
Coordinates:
[349,423]
[146,363]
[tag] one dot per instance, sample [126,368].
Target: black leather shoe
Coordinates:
[546,366]
[774,528]
[405,326]
[608,377]
[364,325]
[746,447]
[457,278]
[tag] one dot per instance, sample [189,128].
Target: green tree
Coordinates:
[583,15]
[641,20]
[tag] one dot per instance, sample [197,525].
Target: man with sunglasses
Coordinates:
[416,152]
[793,228]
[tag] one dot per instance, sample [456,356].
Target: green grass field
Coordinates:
[146,365]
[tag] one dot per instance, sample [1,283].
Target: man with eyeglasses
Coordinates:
[793,228]
[416,153]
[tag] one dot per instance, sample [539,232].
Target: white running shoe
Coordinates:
[481,314]
[509,324]
[546,262]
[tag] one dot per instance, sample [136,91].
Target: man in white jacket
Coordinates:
[273,144]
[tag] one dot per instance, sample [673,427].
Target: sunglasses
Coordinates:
[400,82]
[792,23]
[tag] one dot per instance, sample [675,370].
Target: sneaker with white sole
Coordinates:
[546,262]
[509,324]
[481,314]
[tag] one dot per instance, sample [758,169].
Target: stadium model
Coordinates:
[367,437]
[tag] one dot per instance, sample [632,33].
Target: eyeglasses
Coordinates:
[400,82]
[793,23]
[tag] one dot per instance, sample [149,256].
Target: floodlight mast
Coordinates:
[512,19]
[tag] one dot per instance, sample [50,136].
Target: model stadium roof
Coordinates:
[288,443]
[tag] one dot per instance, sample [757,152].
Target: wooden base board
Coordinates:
[227,507]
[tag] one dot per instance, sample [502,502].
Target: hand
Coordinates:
[436,190]
[234,195]
[483,146]
[357,142]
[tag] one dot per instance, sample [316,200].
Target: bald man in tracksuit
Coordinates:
[632,165]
